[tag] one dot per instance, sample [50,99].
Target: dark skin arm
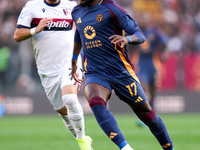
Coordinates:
[123,40]
[76,51]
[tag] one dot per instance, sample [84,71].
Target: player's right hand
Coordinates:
[74,68]
[43,23]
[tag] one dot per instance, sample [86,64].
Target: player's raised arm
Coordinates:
[24,33]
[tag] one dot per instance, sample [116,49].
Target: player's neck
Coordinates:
[95,2]
[52,1]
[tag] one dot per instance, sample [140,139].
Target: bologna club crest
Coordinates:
[65,11]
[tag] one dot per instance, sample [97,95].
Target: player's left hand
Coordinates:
[119,39]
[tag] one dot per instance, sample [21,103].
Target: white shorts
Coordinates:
[53,85]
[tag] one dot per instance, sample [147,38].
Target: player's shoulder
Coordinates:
[112,5]
[76,8]
[32,3]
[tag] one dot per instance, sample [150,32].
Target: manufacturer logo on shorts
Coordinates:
[139,99]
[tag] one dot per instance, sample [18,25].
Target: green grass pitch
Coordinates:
[47,132]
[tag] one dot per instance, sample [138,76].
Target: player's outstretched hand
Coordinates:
[42,24]
[74,68]
[119,39]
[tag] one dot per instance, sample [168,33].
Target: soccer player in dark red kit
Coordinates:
[101,26]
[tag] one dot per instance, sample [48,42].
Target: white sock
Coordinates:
[127,147]
[68,125]
[75,114]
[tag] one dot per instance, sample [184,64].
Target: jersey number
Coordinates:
[129,88]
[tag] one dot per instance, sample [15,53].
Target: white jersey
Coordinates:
[53,46]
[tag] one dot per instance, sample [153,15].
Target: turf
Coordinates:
[47,132]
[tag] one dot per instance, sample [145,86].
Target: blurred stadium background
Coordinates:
[178,96]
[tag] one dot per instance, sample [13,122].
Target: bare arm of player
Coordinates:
[24,33]
[124,40]
[76,52]
[119,39]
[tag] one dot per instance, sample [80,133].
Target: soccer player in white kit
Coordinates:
[50,25]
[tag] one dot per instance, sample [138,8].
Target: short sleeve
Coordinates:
[25,17]
[77,38]
[123,18]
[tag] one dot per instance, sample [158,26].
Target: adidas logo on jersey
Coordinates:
[79,20]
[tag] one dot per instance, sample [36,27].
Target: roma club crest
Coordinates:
[99,18]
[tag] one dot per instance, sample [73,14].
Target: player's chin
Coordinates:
[52,0]
[85,3]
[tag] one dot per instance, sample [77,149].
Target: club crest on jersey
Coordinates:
[99,18]
[65,11]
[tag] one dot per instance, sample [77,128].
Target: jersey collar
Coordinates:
[53,5]
[100,2]
[95,6]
